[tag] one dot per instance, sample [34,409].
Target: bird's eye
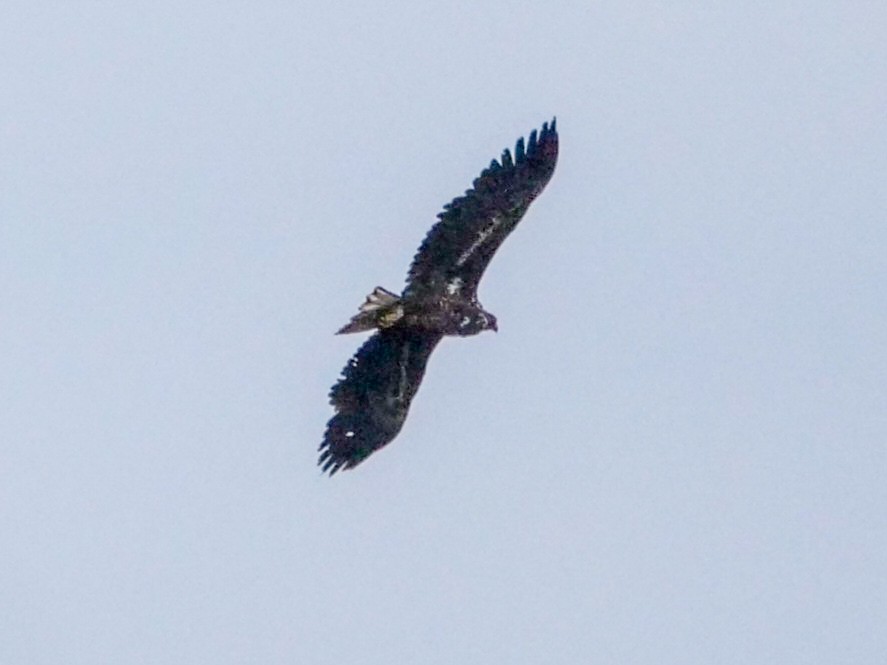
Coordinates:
[465,321]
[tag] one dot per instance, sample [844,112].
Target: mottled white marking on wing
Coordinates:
[398,397]
[481,239]
[454,286]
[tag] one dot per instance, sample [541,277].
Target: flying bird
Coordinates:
[373,395]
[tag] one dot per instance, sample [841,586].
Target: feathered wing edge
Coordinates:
[372,398]
[472,227]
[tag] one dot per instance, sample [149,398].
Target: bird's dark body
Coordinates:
[448,317]
[373,396]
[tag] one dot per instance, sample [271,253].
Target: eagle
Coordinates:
[373,395]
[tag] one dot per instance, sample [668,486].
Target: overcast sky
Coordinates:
[673,451]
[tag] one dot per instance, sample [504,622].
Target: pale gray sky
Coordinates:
[672,452]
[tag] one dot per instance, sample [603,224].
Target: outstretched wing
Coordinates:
[373,396]
[455,253]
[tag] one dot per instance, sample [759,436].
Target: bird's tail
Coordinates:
[381,309]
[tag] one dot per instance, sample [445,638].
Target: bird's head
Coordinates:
[472,323]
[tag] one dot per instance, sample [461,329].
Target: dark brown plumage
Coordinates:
[372,398]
